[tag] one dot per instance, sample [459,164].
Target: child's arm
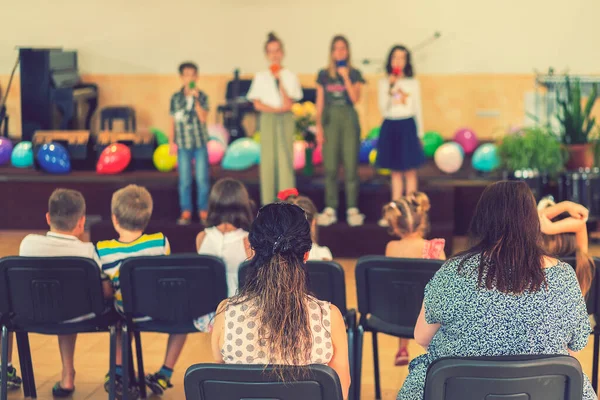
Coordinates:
[217,332]
[320,106]
[353,89]
[199,240]
[424,332]
[260,107]
[575,210]
[167,247]
[567,225]
[385,100]
[201,106]
[419,109]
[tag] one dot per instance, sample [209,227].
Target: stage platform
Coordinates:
[24,195]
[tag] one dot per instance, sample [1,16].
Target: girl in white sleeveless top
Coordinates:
[228,221]
[273,319]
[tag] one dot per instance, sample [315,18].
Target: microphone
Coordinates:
[395,72]
[275,68]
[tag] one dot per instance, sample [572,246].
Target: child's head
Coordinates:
[274,49]
[229,203]
[311,212]
[338,51]
[66,212]
[409,215]
[188,72]
[399,58]
[131,208]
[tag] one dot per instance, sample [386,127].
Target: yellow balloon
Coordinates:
[384,171]
[163,160]
[373,158]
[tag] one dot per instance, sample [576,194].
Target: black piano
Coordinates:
[52,94]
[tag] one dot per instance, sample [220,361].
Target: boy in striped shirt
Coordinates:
[131,209]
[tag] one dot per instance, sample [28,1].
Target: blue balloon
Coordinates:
[241,154]
[366,147]
[485,158]
[54,158]
[22,155]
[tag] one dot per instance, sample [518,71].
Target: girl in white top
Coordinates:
[228,222]
[273,92]
[399,147]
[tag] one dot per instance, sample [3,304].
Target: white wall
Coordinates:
[153,36]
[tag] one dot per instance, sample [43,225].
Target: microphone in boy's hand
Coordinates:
[192,85]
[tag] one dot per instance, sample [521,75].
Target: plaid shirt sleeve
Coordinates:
[203,100]
[172,106]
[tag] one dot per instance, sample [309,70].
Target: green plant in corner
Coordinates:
[576,121]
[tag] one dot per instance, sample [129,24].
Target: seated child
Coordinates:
[565,234]
[66,218]
[228,221]
[408,219]
[131,209]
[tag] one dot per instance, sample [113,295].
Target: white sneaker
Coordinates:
[383,223]
[354,217]
[327,217]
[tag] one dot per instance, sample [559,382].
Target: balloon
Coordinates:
[467,139]
[485,158]
[6,149]
[216,151]
[448,158]
[366,147]
[256,137]
[373,159]
[318,155]
[241,154]
[160,136]
[218,131]
[459,147]
[22,155]
[431,141]
[373,133]
[54,158]
[114,159]
[299,155]
[163,160]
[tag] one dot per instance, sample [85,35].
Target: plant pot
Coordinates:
[309,168]
[580,156]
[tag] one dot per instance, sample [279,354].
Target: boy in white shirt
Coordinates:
[66,218]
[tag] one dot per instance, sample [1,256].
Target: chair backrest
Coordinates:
[235,382]
[326,281]
[391,289]
[47,290]
[172,289]
[592,297]
[109,114]
[503,378]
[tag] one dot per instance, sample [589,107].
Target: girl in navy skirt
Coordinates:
[399,148]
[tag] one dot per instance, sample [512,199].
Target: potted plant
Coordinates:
[305,126]
[577,123]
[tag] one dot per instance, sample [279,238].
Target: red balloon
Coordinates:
[113,159]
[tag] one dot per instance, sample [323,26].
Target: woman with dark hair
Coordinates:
[399,148]
[273,319]
[503,296]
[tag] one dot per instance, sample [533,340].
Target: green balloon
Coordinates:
[160,136]
[374,133]
[431,141]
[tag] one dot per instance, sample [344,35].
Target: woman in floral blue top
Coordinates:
[504,296]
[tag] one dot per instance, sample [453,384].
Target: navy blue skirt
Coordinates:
[399,147]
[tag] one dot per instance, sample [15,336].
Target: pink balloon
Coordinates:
[467,139]
[216,151]
[318,155]
[218,131]
[299,154]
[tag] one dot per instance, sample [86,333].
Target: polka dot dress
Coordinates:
[243,343]
[481,322]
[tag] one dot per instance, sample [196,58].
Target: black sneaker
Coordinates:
[13,382]
[133,391]
[158,383]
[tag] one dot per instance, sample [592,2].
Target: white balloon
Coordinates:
[448,157]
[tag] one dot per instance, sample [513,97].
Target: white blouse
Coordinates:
[394,111]
[264,87]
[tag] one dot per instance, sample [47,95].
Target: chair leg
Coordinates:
[112,363]
[26,364]
[351,359]
[360,333]
[125,351]
[140,364]
[4,369]
[595,361]
[376,367]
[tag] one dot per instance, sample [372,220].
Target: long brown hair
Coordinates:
[229,203]
[311,213]
[408,215]
[332,68]
[506,233]
[276,285]
[565,245]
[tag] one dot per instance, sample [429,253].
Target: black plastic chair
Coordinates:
[235,382]
[593,308]
[326,280]
[390,294]
[173,291]
[109,114]
[38,294]
[495,378]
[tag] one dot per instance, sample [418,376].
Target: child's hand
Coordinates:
[546,226]
[344,72]
[392,78]
[578,211]
[287,105]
